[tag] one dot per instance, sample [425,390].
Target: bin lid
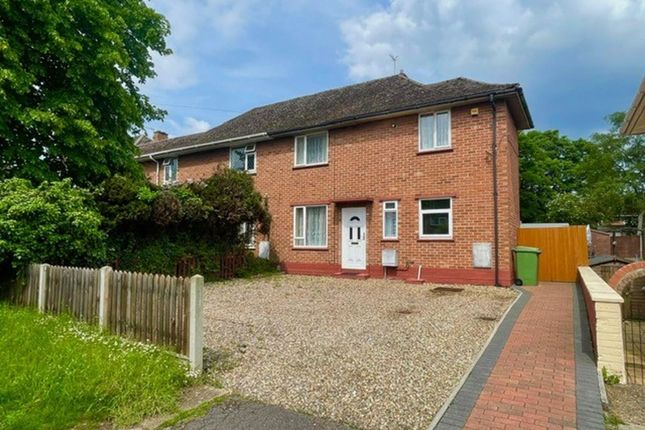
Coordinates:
[529,249]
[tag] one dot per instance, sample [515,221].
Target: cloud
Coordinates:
[194,125]
[501,40]
[198,28]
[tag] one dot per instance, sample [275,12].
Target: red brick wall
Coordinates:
[600,243]
[380,160]
[627,246]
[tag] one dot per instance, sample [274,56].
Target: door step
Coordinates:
[347,274]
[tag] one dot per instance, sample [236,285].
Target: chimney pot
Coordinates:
[159,135]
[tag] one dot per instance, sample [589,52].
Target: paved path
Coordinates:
[237,414]
[537,372]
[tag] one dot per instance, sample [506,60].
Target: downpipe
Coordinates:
[495,191]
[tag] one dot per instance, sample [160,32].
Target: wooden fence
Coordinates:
[164,310]
[564,249]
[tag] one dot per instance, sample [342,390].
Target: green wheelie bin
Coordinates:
[527,265]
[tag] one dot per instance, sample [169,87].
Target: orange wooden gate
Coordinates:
[563,250]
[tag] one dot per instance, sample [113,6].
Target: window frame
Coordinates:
[167,162]
[306,136]
[304,227]
[434,131]
[250,244]
[396,218]
[435,211]
[248,149]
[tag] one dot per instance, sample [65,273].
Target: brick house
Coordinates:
[389,164]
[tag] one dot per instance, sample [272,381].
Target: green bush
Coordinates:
[255,266]
[53,222]
[59,374]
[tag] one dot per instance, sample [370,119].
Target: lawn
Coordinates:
[58,373]
[374,354]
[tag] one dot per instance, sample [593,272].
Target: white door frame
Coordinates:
[353,252]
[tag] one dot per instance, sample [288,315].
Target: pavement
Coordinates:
[239,414]
[537,372]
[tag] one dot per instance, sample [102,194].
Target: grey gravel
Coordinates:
[374,354]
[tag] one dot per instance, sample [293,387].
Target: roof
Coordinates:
[635,120]
[605,259]
[390,95]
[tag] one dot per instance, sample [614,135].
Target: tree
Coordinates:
[54,223]
[548,168]
[70,73]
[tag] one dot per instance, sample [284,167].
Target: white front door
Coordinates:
[354,249]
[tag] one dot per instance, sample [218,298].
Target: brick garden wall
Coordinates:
[377,161]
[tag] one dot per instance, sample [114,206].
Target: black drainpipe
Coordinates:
[495,196]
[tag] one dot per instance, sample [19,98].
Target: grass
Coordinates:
[191,414]
[58,373]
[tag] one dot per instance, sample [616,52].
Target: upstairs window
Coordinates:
[311,149]
[243,158]
[170,170]
[435,219]
[434,131]
[390,220]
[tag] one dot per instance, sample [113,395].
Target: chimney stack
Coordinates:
[159,135]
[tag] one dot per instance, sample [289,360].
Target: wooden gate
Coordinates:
[563,250]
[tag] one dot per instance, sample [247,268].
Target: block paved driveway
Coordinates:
[538,371]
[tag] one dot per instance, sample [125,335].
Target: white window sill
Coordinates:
[310,248]
[434,150]
[435,239]
[305,166]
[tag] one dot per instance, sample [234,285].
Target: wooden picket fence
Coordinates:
[159,309]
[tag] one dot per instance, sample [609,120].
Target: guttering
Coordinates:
[256,137]
[495,191]
[157,170]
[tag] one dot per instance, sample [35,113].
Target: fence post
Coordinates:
[104,296]
[42,286]
[195,323]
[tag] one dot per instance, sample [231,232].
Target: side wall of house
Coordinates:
[379,161]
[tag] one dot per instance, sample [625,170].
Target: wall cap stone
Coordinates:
[599,290]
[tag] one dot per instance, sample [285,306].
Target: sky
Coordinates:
[577,60]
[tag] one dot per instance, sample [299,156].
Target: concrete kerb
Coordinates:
[523,296]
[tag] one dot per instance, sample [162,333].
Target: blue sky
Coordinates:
[578,60]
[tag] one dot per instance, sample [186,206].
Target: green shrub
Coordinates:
[59,374]
[54,223]
[255,266]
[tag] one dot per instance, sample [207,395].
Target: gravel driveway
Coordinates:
[374,354]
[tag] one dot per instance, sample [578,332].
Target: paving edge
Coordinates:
[523,296]
[589,413]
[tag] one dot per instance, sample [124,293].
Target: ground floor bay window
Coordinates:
[310,226]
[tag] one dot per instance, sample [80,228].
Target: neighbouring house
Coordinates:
[389,177]
[635,119]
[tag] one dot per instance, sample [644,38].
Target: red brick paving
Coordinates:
[533,383]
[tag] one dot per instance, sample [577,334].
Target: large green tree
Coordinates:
[584,181]
[548,168]
[70,76]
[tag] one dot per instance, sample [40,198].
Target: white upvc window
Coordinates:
[434,131]
[310,226]
[244,159]
[311,149]
[170,170]
[435,218]
[391,219]
[248,235]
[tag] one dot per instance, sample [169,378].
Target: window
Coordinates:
[310,226]
[248,235]
[170,170]
[435,219]
[243,158]
[390,220]
[311,149]
[434,131]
